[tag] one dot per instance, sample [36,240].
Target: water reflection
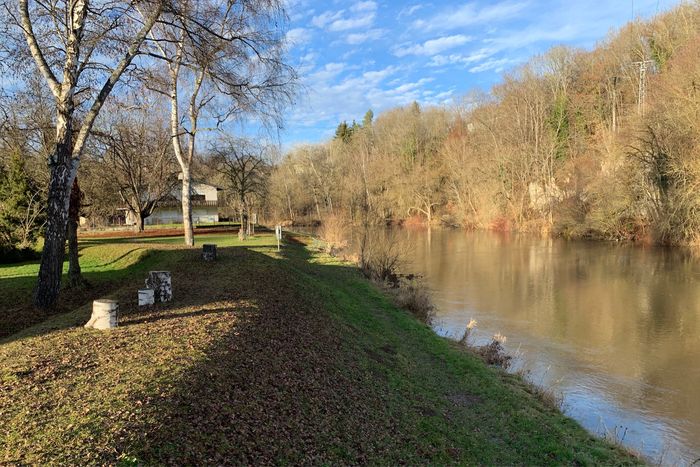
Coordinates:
[616,328]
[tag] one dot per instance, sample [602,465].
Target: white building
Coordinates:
[205,204]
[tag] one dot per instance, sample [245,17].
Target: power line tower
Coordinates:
[643,65]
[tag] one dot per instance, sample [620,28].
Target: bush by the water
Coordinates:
[414,296]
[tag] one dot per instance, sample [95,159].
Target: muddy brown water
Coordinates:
[614,329]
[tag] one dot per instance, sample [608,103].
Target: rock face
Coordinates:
[161,283]
[105,314]
[208,252]
[146,297]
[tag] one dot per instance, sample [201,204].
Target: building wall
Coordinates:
[210,193]
[200,215]
[173,215]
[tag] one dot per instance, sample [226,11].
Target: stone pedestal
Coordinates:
[208,252]
[146,297]
[105,314]
[161,283]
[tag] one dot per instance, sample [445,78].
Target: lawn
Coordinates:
[104,263]
[262,357]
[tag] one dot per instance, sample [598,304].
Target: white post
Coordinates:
[278,234]
[146,297]
[105,314]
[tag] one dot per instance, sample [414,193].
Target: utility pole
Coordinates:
[642,92]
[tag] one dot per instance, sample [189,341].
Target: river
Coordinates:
[614,329]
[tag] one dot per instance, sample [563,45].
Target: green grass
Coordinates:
[265,357]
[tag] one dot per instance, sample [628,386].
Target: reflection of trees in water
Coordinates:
[636,310]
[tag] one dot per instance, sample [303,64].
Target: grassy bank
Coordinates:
[287,357]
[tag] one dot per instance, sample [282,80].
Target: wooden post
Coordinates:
[105,314]
[208,252]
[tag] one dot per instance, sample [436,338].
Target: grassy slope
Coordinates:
[267,357]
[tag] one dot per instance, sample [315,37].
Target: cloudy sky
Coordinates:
[378,54]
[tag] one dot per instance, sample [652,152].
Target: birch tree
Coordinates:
[223,60]
[81,48]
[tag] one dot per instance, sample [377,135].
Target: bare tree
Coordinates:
[76,45]
[138,159]
[246,168]
[224,59]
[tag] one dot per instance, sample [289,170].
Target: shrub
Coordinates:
[413,296]
[380,258]
[334,232]
[494,354]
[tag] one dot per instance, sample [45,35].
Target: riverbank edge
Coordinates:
[383,335]
[491,355]
[544,396]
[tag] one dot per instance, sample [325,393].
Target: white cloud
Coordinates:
[361,15]
[470,14]
[433,46]
[352,23]
[364,6]
[335,94]
[462,59]
[496,65]
[361,37]
[298,36]
[325,18]
[409,10]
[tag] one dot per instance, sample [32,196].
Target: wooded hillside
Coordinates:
[602,144]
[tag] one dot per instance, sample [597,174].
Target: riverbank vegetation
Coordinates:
[598,144]
[264,357]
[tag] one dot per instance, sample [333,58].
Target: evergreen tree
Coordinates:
[343,132]
[19,216]
[367,121]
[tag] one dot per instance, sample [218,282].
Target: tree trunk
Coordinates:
[139,224]
[187,208]
[51,268]
[243,231]
[75,278]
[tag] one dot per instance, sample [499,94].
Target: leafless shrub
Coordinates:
[414,296]
[380,258]
[494,354]
[334,231]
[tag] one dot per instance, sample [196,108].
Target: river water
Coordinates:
[613,329]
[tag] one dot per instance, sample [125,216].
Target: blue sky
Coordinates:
[378,54]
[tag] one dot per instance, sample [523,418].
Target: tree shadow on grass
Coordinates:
[277,388]
[17,312]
